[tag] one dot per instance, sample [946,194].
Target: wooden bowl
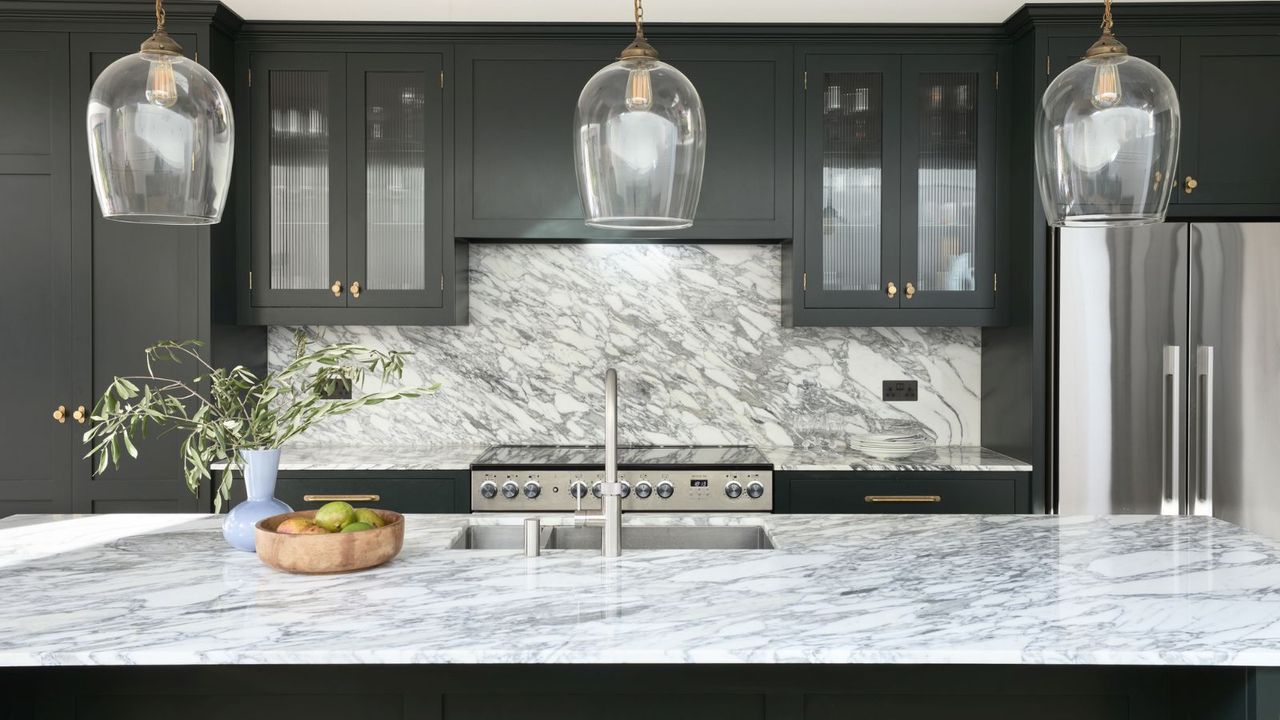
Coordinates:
[331,552]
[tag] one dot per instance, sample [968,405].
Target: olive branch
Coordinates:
[240,411]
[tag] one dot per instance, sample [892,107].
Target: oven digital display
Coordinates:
[698,482]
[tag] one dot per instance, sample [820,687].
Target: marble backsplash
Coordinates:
[695,334]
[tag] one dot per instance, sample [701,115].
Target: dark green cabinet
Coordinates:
[927,492]
[347,202]
[515,175]
[900,191]
[444,491]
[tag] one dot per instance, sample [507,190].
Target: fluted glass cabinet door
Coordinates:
[949,183]
[298,141]
[395,220]
[852,181]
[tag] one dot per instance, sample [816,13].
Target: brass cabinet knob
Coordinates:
[355,289]
[79,415]
[910,290]
[336,288]
[60,414]
[1189,185]
[891,289]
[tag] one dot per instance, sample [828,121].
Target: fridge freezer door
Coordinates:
[1121,342]
[1234,394]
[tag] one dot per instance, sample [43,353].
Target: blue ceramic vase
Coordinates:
[260,468]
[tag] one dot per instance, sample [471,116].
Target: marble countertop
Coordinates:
[166,589]
[459,457]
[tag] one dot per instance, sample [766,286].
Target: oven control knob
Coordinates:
[665,489]
[578,490]
[595,489]
[488,490]
[510,489]
[733,489]
[532,489]
[626,488]
[643,489]
[755,490]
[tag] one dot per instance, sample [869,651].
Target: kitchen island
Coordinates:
[1125,616]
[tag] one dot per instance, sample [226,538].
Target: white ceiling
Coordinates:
[756,11]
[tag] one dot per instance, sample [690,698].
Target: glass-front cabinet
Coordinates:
[900,188]
[347,172]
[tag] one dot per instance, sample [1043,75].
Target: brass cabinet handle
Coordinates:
[902,498]
[336,288]
[343,498]
[891,289]
[60,414]
[1189,185]
[79,415]
[910,290]
[355,289]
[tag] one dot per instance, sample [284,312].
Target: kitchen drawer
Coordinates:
[404,492]
[916,492]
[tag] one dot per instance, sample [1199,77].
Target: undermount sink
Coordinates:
[566,537]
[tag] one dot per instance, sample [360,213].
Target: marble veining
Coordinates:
[166,589]
[695,334]
[939,459]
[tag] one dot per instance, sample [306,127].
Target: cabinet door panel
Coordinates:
[298,137]
[35,252]
[852,146]
[404,492]
[1228,120]
[948,183]
[849,493]
[516,176]
[134,286]
[394,218]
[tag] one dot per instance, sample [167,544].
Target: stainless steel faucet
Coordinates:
[610,489]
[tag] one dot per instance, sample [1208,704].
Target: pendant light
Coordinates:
[160,137]
[1107,139]
[640,140]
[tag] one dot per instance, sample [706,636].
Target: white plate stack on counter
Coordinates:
[892,443]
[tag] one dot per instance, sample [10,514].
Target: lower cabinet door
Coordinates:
[859,492]
[402,492]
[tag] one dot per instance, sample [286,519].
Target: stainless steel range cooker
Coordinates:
[528,478]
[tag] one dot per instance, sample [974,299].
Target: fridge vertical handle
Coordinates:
[1203,496]
[1171,380]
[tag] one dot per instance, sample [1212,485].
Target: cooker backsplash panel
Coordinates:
[694,333]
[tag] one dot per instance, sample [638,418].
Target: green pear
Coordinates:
[365,515]
[356,527]
[335,515]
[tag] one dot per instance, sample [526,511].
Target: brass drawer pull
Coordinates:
[891,289]
[903,498]
[60,414]
[79,415]
[343,498]
[336,288]
[355,289]
[1190,185]
[910,290]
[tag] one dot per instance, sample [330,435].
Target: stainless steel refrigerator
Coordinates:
[1167,371]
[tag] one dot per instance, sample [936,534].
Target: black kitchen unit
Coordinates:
[901,156]
[346,167]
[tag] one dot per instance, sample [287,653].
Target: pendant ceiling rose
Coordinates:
[161,136]
[1107,134]
[639,142]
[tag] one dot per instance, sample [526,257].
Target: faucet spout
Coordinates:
[611,489]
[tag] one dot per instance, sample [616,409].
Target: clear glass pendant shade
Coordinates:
[161,135]
[640,141]
[1107,136]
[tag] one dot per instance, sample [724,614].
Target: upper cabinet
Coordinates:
[1228,165]
[348,173]
[899,194]
[514,141]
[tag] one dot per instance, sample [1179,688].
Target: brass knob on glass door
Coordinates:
[355,289]
[1189,185]
[336,288]
[910,290]
[79,415]
[60,414]
[891,289]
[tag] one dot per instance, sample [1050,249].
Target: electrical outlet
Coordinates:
[901,391]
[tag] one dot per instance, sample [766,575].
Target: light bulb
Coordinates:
[161,88]
[639,89]
[1106,85]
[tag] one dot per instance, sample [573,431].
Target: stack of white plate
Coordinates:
[893,444]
